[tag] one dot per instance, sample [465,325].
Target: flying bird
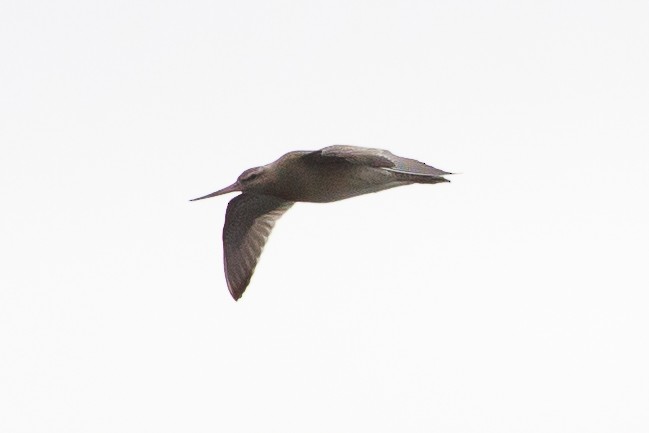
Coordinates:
[321,176]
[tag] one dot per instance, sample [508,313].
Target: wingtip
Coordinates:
[236,294]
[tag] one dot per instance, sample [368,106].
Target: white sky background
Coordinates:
[513,299]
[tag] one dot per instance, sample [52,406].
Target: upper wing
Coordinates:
[248,223]
[380,158]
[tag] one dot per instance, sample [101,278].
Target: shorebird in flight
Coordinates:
[330,174]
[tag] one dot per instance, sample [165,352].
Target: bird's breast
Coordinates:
[332,182]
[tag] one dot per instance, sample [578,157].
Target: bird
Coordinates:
[330,174]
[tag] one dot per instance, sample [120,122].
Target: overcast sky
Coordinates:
[513,299]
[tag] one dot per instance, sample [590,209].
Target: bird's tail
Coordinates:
[417,178]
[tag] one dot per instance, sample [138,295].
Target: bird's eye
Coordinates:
[249,176]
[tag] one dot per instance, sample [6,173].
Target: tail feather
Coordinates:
[418,178]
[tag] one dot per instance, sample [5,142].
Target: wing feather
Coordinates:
[381,159]
[249,220]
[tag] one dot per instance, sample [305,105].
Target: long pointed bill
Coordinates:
[232,188]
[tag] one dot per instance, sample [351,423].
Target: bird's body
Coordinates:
[302,176]
[330,174]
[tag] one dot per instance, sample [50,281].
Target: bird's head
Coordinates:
[251,180]
[254,179]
